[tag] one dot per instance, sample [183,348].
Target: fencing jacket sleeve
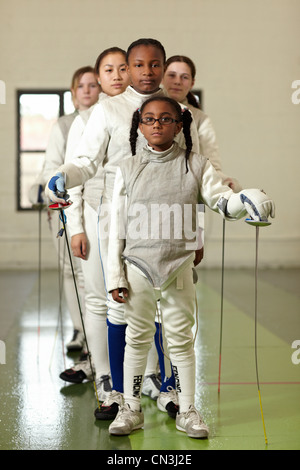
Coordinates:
[116,274]
[75,217]
[90,151]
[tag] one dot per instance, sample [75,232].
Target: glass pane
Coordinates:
[38,113]
[68,103]
[30,167]
[2,92]
[198,96]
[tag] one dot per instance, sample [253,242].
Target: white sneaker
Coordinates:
[77,342]
[103,386]
[114,397]
[151,387]
[168,402]
[192,423]
[126,421]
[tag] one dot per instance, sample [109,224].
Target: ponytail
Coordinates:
[133,131]
[192,100]
[187,120]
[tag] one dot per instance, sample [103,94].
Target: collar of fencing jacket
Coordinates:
[151,155]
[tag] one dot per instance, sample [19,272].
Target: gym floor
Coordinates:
[38,411]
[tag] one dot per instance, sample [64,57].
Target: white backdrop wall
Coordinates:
[247,58]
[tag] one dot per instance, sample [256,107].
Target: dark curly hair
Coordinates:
[146,42]
[183,115]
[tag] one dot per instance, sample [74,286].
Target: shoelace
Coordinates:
[124,409]
[195,415]
[114,397]
[128,412]
[171,393]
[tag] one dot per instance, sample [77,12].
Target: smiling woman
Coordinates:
[179,79]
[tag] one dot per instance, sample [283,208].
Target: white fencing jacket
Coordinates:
[105,140]
[208,144]
[159,200]
[55,153]
[92,190]
[56,147]
[207,136]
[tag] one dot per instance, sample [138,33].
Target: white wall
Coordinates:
[247,56]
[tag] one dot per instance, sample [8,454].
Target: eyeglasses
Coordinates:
[163,121]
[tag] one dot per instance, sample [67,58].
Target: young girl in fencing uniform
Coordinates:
[151,252]
[82,218]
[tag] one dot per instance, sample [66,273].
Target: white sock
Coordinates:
[134,369]
[185,385]
[72,302]
[96,332]
[152,361]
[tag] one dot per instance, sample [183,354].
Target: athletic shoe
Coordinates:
[78,373]
[168,402]
[192,423]
[126,421]
[103,387]
[77,342]
[151,386]
[110,407]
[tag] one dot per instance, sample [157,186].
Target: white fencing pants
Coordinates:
[66,271]
[115,311]
[95,295]
[178,309]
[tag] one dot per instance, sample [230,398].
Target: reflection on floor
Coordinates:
[40,411]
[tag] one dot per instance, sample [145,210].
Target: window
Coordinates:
[37,111]
[199,97]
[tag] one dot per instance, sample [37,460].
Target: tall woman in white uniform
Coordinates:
[82,219]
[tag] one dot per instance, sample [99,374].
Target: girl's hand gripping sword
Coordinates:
[258,206]
[56,191]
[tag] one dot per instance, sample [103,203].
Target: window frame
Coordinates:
[32,91]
